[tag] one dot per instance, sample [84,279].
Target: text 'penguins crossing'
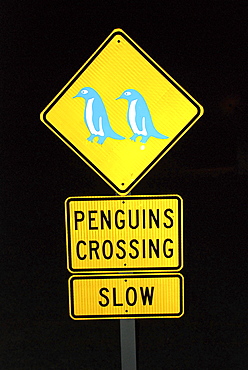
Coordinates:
[130,233]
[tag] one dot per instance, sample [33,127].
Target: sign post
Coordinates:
[121,113]
[128,345]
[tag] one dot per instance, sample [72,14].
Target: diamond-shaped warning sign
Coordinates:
[121,112]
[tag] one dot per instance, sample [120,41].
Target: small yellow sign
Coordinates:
[121,112]
[129,233]
[126,296]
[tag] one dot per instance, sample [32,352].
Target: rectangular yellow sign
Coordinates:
[126,296]
[131,233]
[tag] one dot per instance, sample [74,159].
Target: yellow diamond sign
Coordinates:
[121,112]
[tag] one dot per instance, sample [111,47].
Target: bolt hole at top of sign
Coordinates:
[118,41]
[123,202]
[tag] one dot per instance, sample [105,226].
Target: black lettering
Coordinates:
[91,242]
[134,248]
[147,295]
[104,304]
[144,248]
[92,219]
[122,222]
[144,218]
[105,218]
[152,247]
[78,219]
[104,249]
[169,218]
[114,298]
[122,249]
[130,219]
[170,249]
[134,296]
[78,250]
[154,218]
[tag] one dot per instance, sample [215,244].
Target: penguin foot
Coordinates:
[134,137]
[91,138]
[101,139]
[144,139]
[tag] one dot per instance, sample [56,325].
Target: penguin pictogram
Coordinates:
[139,117]
[95,116]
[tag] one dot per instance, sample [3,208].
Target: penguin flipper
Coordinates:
[109,132]
[117,137]
[114,136]
[159,136]
[103,138]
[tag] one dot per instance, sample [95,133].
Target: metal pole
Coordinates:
[128,343]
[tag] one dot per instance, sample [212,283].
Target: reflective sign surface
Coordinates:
[131,233]
[121,112]
[126,296]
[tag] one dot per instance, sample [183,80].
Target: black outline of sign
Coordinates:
[125,198]
[126,316]
[81,155]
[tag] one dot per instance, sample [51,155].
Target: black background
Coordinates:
[203,47]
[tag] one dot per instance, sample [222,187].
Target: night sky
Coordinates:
[203,47]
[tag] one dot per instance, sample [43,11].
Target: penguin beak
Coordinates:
[76,96]
[120,97]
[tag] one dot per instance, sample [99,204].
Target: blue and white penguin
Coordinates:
[139,117]
[95,116]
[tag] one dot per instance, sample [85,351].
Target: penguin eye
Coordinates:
[84,91]
[127,93]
